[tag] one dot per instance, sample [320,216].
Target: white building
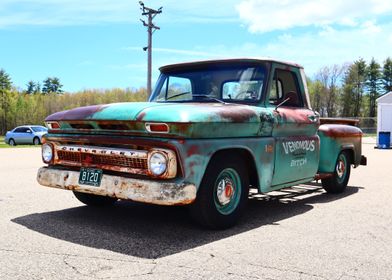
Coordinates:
[384,114]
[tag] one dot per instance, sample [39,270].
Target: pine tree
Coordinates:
[37,88]
[348,92]
[373,84]
[30,87]
[47,86]
[56,85]
[359,71]
[387,75]
[52,85]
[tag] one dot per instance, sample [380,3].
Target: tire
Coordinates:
[223,193]
[12,142]
[94,200]
[36,141]
[338,182]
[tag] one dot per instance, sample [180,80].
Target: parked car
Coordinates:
[25,134]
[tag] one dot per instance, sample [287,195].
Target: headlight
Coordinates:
[157,163]
[47,153]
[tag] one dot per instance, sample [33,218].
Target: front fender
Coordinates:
[196,154]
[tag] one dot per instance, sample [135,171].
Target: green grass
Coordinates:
[370,134]
[4,145]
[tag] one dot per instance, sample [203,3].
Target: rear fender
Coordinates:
[335,138]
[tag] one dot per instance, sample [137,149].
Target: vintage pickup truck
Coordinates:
[210,131]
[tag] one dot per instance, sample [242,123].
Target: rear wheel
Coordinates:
[36,141]
[12,142]
[94,200]
[338,182]
[223,193]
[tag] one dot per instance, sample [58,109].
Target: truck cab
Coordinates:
[210,131]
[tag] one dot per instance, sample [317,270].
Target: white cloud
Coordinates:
[270,15]
[369,27]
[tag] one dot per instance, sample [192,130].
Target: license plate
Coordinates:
[90,176]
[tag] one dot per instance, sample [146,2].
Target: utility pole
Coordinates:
[150,14]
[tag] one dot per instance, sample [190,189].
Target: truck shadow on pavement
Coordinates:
[151,232]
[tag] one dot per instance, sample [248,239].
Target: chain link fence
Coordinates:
[368,125]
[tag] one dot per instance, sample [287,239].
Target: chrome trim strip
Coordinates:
[103,151]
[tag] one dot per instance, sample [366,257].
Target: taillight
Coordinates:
[157,127]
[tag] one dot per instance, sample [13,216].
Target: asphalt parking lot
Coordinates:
[302,233]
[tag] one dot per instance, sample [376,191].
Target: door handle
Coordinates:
[313,118]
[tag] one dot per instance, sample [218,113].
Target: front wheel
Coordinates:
[94,200]
[223,193]
[338,182]
[12,142]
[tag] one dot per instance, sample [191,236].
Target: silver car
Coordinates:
[25,134]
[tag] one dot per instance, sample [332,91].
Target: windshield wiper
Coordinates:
[209,97]
[177,95]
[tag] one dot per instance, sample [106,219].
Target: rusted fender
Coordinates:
[333,139]
[146,191]
[340,131]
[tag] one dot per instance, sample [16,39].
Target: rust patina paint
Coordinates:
[284,144]
[81,113]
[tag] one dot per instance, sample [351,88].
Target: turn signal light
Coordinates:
[53,125]
[157,127]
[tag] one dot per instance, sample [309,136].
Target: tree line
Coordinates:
[33,104]
[348,90]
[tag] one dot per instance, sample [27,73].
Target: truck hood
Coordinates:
[184,119]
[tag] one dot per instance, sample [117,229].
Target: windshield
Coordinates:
[39,129]
[227,83]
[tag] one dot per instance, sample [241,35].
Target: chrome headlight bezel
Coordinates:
[157,163]
[47,153]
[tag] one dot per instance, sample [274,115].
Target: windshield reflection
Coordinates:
[227,83]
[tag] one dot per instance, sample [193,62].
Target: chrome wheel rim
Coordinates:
[227,191]
[341,168]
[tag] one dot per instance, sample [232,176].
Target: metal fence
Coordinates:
[368,125]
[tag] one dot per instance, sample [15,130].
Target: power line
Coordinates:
[151,28]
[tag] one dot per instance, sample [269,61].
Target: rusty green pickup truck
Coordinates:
[210,131]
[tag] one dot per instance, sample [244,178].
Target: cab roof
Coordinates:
[192,64]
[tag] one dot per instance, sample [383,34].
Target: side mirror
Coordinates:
[28,131]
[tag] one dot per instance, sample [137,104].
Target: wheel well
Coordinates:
[350,153]
[247,158]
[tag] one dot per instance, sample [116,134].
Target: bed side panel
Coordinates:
[335,138]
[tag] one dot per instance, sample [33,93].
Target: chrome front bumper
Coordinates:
[154,192]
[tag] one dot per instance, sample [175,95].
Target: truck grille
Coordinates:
[102,160]
[131,161]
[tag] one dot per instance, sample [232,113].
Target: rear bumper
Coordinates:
[147,191]
[363,160]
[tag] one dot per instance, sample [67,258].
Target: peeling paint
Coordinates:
[285,145]
[147,191]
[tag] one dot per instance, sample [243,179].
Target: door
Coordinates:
[295,128]
[23,135]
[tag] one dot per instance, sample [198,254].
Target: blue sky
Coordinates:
[98,43]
